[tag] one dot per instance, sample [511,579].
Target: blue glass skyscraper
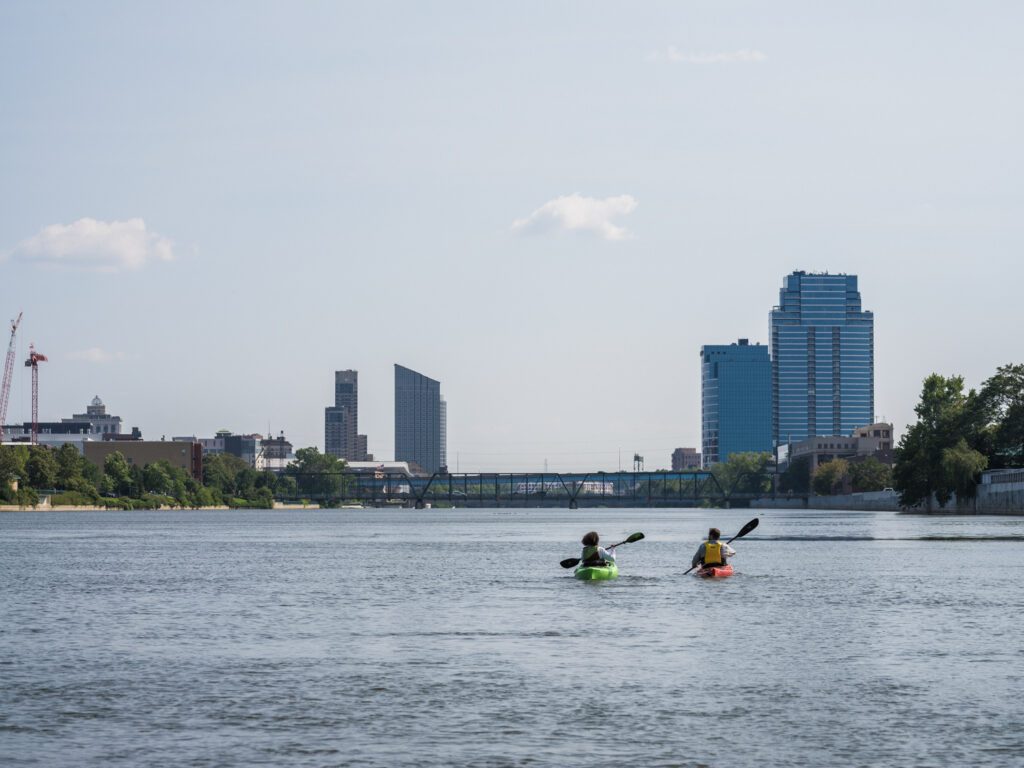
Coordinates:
[736,400]
[823,358]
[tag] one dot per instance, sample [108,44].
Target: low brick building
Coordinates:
[187,456]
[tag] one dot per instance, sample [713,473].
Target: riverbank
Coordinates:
[45,506]
[991,499]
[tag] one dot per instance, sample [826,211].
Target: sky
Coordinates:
[208,208]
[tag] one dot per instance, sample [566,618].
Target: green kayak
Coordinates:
[597,572]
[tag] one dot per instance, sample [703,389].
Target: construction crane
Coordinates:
[5,389]
[34,359]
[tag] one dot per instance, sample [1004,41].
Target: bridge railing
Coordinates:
[507,489]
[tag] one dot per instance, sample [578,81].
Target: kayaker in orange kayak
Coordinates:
[593,554]
[712,551]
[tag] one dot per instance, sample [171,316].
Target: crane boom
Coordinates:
[5,388]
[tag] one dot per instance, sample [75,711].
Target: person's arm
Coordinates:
[699,556]
[727,551]
[607,554]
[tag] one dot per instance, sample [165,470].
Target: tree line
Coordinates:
[958,435]
[227,480]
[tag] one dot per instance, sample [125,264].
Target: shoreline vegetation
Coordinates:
[938,461]
[64,478]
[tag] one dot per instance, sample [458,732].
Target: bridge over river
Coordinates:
[552,489]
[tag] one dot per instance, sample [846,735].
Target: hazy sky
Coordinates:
[207,208]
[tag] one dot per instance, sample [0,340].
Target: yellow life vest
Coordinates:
[713,553]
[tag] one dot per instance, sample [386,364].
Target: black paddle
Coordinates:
[573,561]
[743,532]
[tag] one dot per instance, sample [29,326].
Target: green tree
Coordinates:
[961,466]
[13,465]
[222,471]
[245,482]
[797,477]
[157,476]
[870,475]
[318,474]
[204,498]
[118,473]
[42,467]
[1002,402]
[138,484]
[744,473]
[286,487]
[945,416]
[69,466]
[828,475]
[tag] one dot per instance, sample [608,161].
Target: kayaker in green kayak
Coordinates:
[712,551]
[593,554]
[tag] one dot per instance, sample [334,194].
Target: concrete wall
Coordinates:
[878,501]
[994,499]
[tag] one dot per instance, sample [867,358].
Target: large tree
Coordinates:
[744,473]
[828,475]
[935,454]
[13,464]
[318,474]
[1001,401]
[69,466]
[42,467]
[870,474]
[797,477]
[117,474]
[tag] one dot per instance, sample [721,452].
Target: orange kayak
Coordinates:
[714,571]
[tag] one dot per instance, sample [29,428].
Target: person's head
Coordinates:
[714,534]
[590,539]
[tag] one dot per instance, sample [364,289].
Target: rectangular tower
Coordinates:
[823,358]
[736,400]
[419,411]
[341,422]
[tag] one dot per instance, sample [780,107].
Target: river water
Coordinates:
[453,637]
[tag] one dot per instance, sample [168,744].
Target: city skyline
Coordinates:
[551,212]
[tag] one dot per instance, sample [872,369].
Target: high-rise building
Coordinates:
[736,400]
[341,421]
[823,358]
[420,420]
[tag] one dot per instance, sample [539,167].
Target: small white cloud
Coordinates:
[577,212]
[744,56]
[95,245]
[96,355]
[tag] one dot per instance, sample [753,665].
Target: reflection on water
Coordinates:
[406,638]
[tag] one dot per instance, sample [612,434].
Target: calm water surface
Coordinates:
[451,637]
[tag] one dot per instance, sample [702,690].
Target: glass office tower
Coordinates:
[420,419]
[823,358]
[736,400]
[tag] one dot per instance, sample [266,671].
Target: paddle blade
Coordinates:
[635,537]
[747,528]
[570,562]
